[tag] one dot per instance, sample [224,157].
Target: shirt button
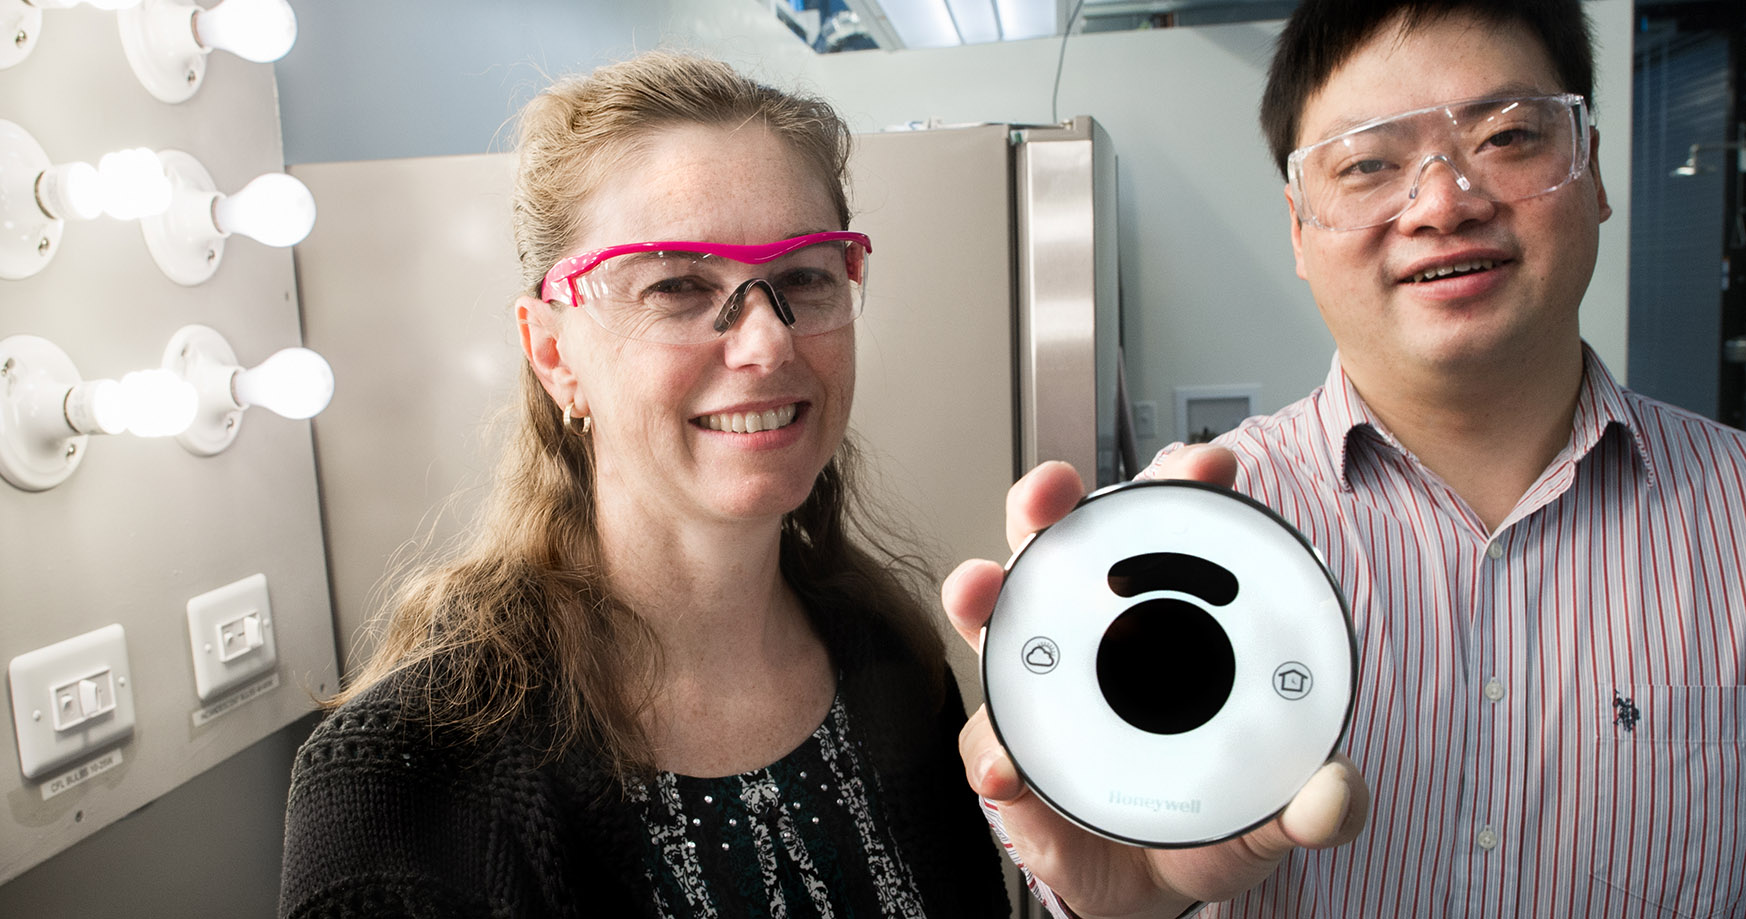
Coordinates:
[1495,550]
[1494,689]
[1487,838]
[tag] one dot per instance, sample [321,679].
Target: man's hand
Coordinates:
[1095,876]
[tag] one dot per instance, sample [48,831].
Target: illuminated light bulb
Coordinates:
[295,383]
[187,240]
[254,30]
[70,191]
[133,184]
[48,413]
[96,407]
[275,209]
[157,403]
[167,41]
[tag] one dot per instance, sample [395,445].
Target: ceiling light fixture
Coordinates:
[946,23]
[1690,167]
[922,23]
[1020,19]
[978,21]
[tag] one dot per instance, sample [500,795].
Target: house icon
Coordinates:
[1292,680]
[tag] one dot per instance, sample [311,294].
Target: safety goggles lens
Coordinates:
[677,296]
[1501,149]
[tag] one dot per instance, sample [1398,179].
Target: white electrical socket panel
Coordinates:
[71,699]
[230,633]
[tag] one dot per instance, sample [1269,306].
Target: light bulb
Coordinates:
[96,407]
[295,382]
[71,191]
[254,30]
[108,407]
[275,208]
[133,184]
[158,403]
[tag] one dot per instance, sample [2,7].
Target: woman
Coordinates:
[662,680]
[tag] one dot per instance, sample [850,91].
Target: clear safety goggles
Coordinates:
[1501,149]
[691,292]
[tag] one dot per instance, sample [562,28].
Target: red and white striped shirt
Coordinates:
[1552,716]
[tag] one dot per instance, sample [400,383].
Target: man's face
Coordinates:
[1534,255]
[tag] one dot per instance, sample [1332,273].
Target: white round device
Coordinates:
[1169,663]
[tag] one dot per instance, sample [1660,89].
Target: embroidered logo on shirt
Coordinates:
[1625,713]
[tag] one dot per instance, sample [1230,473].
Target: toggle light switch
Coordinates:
[230,633]
[78,701]
[239,636]
[71,699]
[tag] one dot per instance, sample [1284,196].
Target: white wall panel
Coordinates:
[408,288]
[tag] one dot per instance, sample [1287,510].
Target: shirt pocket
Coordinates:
[1670,814]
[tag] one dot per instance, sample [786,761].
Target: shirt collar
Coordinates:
[1600,403]
[1343,415]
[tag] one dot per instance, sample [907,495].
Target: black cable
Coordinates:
[1055,98]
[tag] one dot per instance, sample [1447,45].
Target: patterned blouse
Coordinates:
[802,837]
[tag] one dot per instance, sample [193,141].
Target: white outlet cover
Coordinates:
[216,670]
[34,676]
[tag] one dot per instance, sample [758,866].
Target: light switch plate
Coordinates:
[230,633]
[82,685]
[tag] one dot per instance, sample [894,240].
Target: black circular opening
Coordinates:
[1165,666]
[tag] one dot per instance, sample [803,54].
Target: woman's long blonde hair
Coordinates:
[522,626]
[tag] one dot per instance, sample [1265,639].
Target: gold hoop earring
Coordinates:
[570,415]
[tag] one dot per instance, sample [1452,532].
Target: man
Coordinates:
[1545,570]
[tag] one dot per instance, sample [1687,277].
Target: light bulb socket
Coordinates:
[158,37]
[39,447]
[20,23]
[29,236]
[185,241]
[204,358]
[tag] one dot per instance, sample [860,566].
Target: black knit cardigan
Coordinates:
[388,817]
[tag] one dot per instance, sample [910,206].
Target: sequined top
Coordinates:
[804,836]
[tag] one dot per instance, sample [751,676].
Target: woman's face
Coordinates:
[663,416]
